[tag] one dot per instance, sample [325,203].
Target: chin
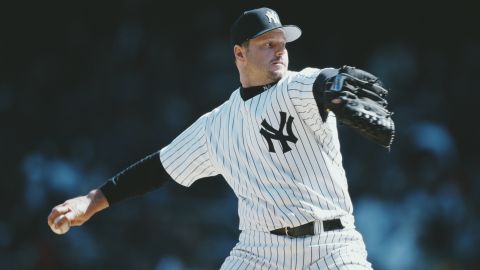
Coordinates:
[278,74]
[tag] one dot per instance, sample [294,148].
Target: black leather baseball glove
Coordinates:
[357,98]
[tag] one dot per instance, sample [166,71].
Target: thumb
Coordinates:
[56,213]
[76,217]
[60,225]
[67,218]
[70,217]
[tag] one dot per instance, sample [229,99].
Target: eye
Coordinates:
[269,44]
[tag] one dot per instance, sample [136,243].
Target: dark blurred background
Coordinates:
[89,87]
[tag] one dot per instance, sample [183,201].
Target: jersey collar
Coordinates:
[249,92]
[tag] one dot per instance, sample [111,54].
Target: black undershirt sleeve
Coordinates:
[145,175]
[318,88]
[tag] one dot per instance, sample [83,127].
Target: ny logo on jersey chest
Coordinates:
[270,133]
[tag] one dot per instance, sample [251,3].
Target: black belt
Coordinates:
[309,228]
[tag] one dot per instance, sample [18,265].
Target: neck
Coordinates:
[248,81]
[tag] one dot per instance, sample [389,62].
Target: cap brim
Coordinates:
[292,32]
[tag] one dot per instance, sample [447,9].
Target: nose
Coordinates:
[280,50]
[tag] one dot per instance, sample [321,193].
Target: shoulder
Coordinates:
[309,72]
[304,76]
[312,73]
[225,105]
[308,76]
[301,79]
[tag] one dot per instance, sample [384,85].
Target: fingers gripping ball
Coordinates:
[358,100]
[61,225]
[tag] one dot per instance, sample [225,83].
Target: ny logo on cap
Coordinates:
[272,16]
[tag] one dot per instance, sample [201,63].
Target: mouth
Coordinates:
[278,62]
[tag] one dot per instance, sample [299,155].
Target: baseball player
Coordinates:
[275,142]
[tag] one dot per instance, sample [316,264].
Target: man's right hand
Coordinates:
[77,211]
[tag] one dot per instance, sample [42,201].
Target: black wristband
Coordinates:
[143,176]
[319,87]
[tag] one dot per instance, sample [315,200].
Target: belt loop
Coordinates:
[318,228]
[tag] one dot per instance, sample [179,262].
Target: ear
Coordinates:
[239,53]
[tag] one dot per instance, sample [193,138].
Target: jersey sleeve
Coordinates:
[303,99]
[187,157]
[301,94]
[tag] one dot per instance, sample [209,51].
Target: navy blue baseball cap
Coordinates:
[255,22]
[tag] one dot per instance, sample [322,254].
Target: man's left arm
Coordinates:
[358,99]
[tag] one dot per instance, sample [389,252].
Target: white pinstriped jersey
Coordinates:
[281,160]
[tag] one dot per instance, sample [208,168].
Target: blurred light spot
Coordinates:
[435,138]
[5,235]
[43,174]
[388,229]
[394,65]
[170,263]
[176,113]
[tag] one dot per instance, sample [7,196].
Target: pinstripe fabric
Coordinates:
[329,250]
[296,182]
[187,159]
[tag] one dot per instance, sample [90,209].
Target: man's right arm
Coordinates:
[78,210]
[185,159]
[143,176]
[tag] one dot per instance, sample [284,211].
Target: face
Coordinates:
[266,58]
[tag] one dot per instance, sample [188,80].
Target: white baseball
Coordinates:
[62,229]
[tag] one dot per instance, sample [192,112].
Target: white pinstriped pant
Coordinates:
[339,249]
